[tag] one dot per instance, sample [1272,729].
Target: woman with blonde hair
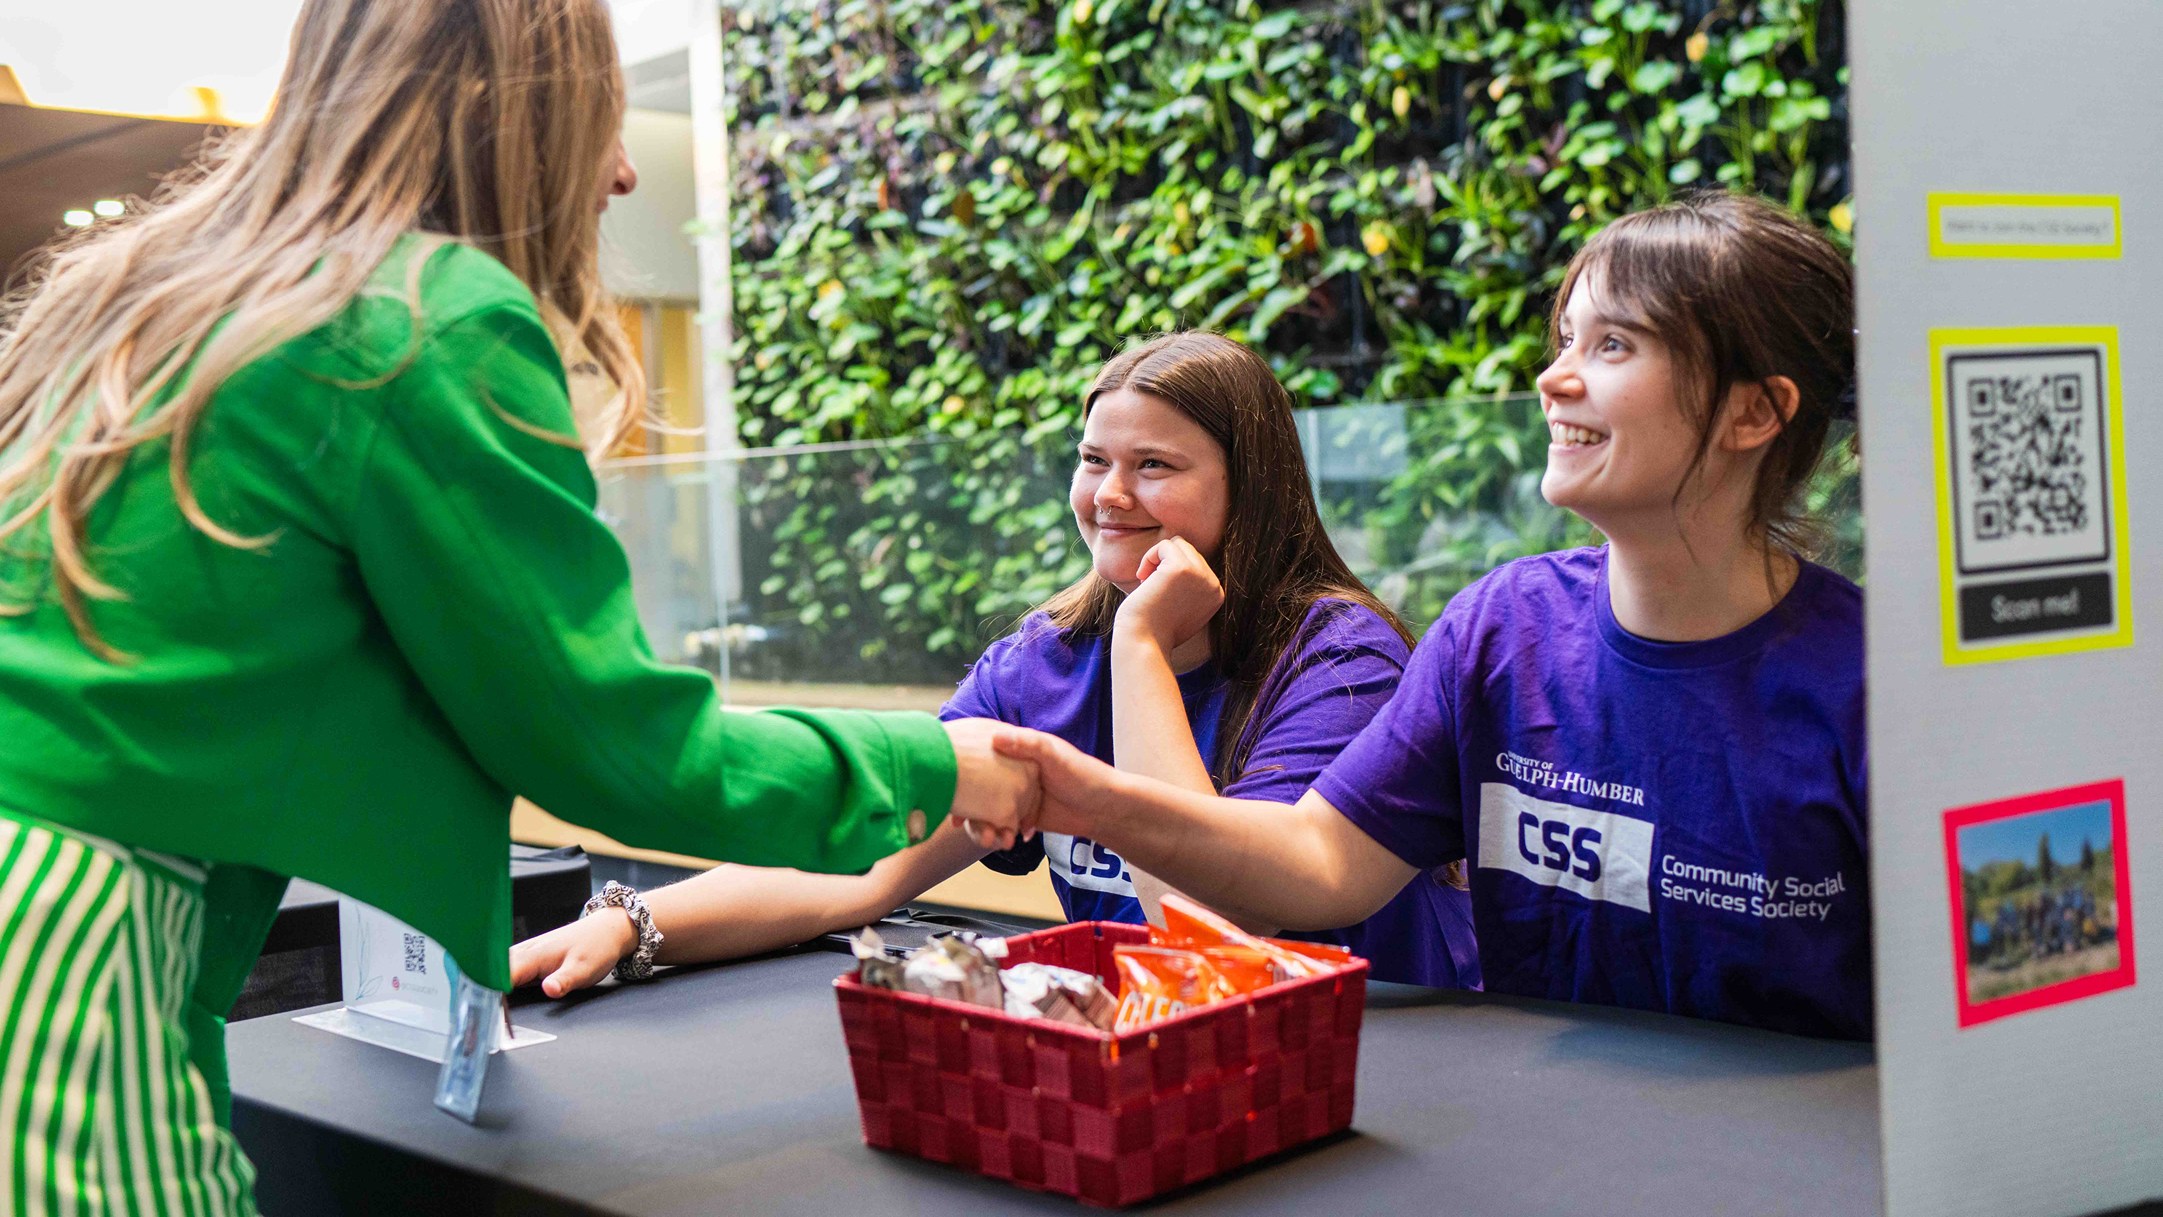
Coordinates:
[301,575]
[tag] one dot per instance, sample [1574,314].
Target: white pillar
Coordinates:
[716,317]
[1996,142]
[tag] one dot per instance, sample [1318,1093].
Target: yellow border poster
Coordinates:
[2030,455]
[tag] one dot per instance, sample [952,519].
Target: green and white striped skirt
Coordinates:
[100,1108]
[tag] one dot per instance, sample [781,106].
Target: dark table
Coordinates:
[726,1089]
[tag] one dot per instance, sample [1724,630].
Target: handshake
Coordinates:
[1011,782]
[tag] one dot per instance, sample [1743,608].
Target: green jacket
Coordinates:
[439,622]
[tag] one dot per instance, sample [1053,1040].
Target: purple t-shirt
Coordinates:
[1344,664]
[1667,826]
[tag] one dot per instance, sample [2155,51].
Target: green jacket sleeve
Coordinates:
[475,533]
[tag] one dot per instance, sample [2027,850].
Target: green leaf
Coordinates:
[1655,75]
[1202,285]
[1745,81]
[1274,305]
[1752,43]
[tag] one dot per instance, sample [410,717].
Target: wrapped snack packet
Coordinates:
[954,968]
[1037,990]
[1322,952]
[1093,998]
[874,967]
[1241,969]
[1160,982]
[995,948]
[979,958]
[1184,918]
[1029,991]
[1186,921]
[933,974]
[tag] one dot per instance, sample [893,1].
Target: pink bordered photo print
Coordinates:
[2042,910]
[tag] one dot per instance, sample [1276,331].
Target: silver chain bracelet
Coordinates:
[638,965]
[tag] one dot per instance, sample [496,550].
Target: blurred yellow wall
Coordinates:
[666,336]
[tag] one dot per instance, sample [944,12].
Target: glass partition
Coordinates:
[872,574]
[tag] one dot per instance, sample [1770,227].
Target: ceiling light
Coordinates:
[78,218]
[107,207]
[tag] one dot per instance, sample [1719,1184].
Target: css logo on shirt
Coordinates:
[1598,855]
[1085,864]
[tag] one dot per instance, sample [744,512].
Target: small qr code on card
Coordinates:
[2028,462]
[416,954]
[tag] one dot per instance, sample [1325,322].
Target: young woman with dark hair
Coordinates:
[1651,753]
[1218,644]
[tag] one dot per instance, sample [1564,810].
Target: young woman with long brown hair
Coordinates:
[301,576]
[1650,753]
[1218,643]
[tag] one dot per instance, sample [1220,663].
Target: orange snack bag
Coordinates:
[1158,982]
[1327,953]
[1241,969]
[1184,919]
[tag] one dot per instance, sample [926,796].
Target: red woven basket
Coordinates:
[1109,1120]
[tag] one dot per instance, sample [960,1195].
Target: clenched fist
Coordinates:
[995,797]
[1074,788]
[1175,599]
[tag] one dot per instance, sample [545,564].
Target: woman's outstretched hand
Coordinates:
[575,956]
[995,797]
[1075,789]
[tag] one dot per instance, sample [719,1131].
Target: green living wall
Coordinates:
[949,212]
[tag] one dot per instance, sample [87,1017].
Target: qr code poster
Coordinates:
[2042,902]
[2031,492]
